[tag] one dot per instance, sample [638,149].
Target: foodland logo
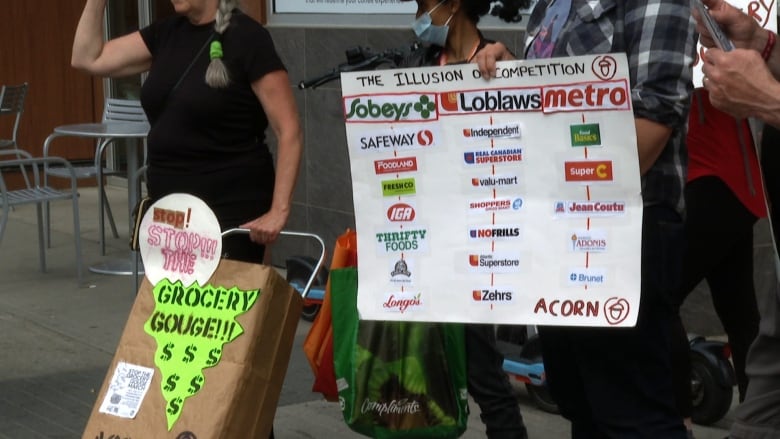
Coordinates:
[403,186]
[398,138]
[498,262]
[585,135]
[591,241]
[586,276]
[481,101]
[492,132]
[395,165]
[592,96]
[496,205]
[495,180]
[590,208]
[402,302]
[390,108]
[401,213]
[493,295]
[589,171]
[493,156]
[497,232]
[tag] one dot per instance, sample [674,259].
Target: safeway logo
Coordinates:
[401,212]
[591,170]
[395,165]
[608,95]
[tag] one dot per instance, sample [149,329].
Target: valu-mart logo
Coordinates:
[498,131]
[496,205]
[491,101]
[415,107]
[398,138]
[495,180]
[587,96]
[590,208]
[495,232]
[589,171]
[493,156]
[590,241]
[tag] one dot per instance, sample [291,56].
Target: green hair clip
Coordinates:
[215,50]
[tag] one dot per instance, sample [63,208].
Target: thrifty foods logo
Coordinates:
[592,96]
[589,171]
[585,134]
[402,302]
[495,232]
[497,262]
[395,165]
[590,208]
[491,101]
[403,186]
[492,132]
[492,181]
[390,108]
[493,295]
[398,138]
[415,240]
[585,276]
[401,213]
[493,156]
[495,205]
[592,241]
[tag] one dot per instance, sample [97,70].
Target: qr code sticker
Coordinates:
[126,390]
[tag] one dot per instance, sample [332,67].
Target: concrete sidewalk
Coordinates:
[58,339]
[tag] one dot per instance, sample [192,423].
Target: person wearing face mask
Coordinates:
[448,29]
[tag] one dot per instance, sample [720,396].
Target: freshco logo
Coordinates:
[395,165]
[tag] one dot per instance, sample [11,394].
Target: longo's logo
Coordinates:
[390,108]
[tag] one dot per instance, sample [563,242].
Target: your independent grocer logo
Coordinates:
[390,108]
[585,135]
[492,132]
[493,156]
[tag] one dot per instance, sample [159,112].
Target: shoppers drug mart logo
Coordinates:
[390,108]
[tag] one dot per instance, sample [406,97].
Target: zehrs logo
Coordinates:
[390,108]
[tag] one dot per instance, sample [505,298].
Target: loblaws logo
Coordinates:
[505,100]
[492,295]
[401,302]
[493,156]
[590,208]
[594,241]
[495,232]
[607,95]
[395,165]
[401,213]
[390,108]
[397,138]
[589,171]
[585,134]
[492,132]
[495,180]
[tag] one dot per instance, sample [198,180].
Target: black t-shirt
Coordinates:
[204,141]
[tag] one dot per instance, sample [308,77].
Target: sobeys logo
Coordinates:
[385,108]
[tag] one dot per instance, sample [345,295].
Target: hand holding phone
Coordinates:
[720,38]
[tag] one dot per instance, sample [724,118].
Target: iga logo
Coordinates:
[390,108]
[395,165]
[613,95]
[588,171]
[401,212]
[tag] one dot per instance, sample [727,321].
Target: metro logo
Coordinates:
[395,165]
[608,95]
[591,170]
[401,212]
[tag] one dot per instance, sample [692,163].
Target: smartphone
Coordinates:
[721,40]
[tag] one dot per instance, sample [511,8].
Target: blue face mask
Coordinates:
[431,33]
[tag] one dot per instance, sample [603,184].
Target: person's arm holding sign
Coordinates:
[741,81]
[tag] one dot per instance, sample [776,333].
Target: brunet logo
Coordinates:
[401,212]
[395,165]
[611,95]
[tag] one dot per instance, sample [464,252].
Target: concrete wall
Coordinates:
[323,198]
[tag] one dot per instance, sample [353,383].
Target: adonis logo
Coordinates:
[594,241]
[401,212]
[515,100]
[612,95]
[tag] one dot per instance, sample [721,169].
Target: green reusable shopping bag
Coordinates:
[396,379]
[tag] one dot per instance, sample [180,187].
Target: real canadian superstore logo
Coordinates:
[391,108]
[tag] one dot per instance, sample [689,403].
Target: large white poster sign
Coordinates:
[764,11]
[514,200]
[345,7]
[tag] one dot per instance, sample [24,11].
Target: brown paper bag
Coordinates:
[237,396]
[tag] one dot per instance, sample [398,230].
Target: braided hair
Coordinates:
[217,75]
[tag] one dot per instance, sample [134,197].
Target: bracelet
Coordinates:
[770,44]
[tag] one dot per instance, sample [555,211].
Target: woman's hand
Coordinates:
[490,54]
[266,228]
